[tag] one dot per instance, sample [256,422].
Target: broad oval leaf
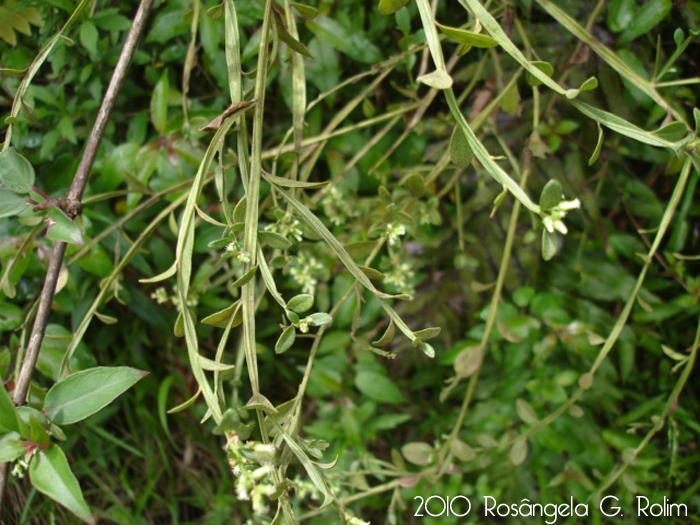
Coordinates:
[11,203]
[645,18]
[11,447]
[275,240]
[525,411]
[620,14]
[62,228]
[16,172]
[377,387]
[286,340]
[438,79]
[301,303]
[50,474]
[545,67]
[551,195]
[467,37]
[320,318]
[389,7]
[84,393]
[354,44]
[518,452]
[461,450]
[461,153]
[418,453]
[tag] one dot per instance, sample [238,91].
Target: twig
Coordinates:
[73,201]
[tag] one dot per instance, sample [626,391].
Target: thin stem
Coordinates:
[74,195]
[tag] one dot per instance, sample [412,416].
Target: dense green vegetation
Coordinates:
[381,273]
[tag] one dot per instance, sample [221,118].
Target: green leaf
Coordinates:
[461,450]
[50,474]
[426,333]
[389,7]
[245,278]
[360,249]
[301,303]
[222,318]
[8,414]
[467,37]
[320,318]
[11,447]
[525,411]
[306,10]
[518,452]
[545,67]
[461,153]
[620,14]
[672,132]
[82,394]
[159,104]
[550,244]
[288,39]
[371,272]
[11,203]
[88,37]
[61,228]
[16,172]
[291,183]
[377,387]
[354,44]
[286,340]
[438,79]
[645,18]
[598,146]
[275,240]
[418,453]
[551,195]
[387,337]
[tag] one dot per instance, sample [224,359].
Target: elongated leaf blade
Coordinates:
[51,475]
[84,393]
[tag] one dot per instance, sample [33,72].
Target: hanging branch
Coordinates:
[73,208]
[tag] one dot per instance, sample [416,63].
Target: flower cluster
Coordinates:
[394,230]
[553,220]
[161,296]
[336,205]
[401,278]
[304,269]
[253,483]
[287,226]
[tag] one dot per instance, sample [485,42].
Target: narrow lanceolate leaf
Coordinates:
[275,240]
[598,146]
[50,474]
[61,228]
[288,39]
[16,172]
[389,7]
[291,183]
[467,37]
[84,393]
[232,110]
[159,104]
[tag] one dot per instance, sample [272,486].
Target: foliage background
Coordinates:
[136,464]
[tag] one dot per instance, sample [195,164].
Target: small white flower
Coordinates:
[394,231]
[569,205]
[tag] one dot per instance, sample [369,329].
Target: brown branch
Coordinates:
[72,202]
